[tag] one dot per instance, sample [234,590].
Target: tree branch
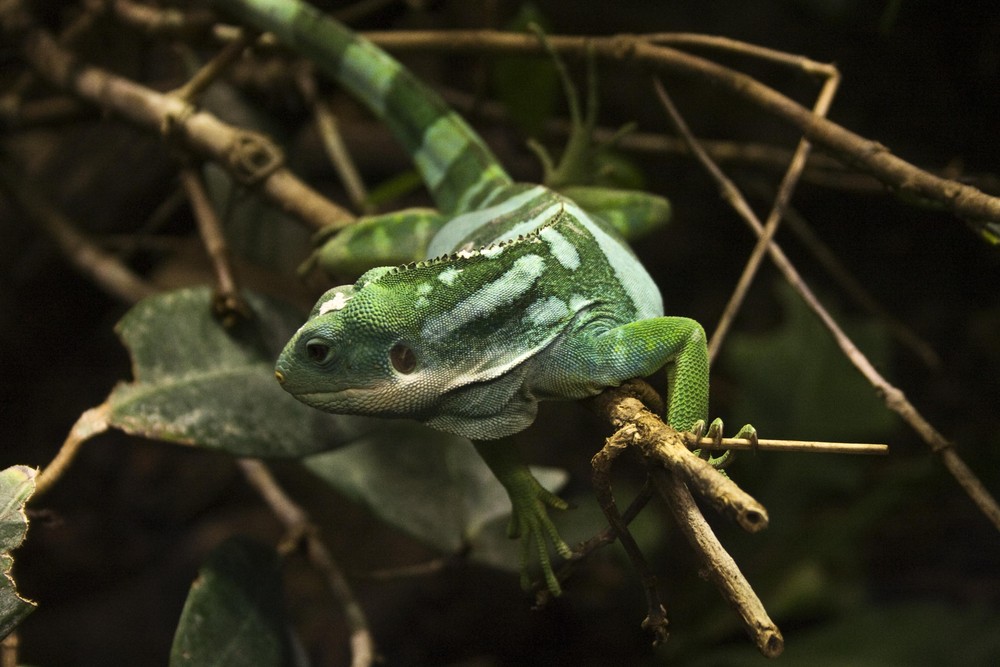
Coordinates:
[982,211]
[251,158]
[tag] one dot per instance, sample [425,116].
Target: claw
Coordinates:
[714,433]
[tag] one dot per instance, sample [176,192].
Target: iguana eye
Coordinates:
[318,351]
[402,358]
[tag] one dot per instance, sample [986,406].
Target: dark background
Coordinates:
[866,561]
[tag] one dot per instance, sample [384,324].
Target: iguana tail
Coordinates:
[457,167]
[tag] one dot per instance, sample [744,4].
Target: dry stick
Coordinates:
[718,565]
[894,398]
[621,407]
[227,303]
[333,142]
[101,267]
[162,21]
[215,67]
[656,614]
[249,156]
[300,527]
[964,201]
[813,447]
[661,443]
[824,70]
[788,183]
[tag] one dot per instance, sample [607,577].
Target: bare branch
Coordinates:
[784,195]
[300,527]
[227,303]
[251,158]
[965,201]
[719,566]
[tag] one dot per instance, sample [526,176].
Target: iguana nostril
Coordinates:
[279,376]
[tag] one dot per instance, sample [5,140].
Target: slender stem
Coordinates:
[90,423]
[227,301]
[784,195]
[300,527]
[333,143]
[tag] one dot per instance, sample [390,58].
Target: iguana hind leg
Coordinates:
[529,520]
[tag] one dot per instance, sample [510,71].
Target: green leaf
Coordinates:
[234,613]
[431,485]
[17,483]
[198,383]
[798,384]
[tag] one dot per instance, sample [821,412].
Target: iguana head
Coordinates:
[357,352]
[442,341]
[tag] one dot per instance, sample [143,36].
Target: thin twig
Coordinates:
[162,21]
[788,183]
[215,67]
[655,622]
[894,398]
[300,527]
[812,447]
[227,303]
[333,142]
[716,42]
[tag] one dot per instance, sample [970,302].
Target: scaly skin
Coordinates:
[528,296]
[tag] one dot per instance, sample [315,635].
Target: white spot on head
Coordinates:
[336,302]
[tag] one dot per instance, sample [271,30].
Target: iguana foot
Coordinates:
[529,520]
[714,433]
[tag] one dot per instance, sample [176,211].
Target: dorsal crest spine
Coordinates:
[460,257]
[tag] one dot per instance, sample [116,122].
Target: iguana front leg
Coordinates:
[639,349]
[529,501]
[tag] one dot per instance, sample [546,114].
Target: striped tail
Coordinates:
[457,167]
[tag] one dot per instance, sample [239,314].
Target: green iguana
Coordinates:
[525,296]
